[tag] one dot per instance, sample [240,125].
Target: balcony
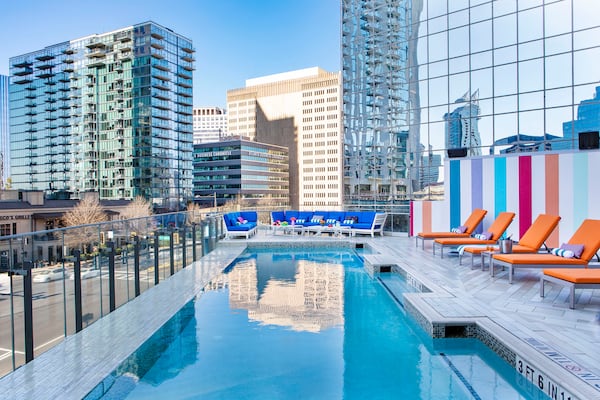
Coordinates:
[188,58]
[23,64]
[188,49]
[24,80]
[44,57]
[23,72]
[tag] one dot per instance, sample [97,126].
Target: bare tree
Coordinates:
[137,214]
[88,211]
[194,214]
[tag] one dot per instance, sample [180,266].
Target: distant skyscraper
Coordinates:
[299,110]
[462,129]
[4,133]
[210,124]
[588,119]
[381,99]
[110,113]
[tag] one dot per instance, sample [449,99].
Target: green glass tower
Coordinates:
[109,113]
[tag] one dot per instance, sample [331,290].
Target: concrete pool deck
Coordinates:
[546,335]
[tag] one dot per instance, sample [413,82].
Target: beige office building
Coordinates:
[300,110]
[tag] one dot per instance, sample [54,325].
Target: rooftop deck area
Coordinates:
[544,331]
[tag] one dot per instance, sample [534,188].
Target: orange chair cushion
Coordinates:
[538,259]
[588,234]
[577,275]
[500,224]
[433,235]
[517,248]
[539,231]
[463,241]
[474,219]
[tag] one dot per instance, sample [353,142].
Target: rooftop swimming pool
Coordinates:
[309,324]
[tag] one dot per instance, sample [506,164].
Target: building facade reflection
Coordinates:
[302,295]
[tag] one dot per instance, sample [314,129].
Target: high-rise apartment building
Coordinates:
[405,62]
[4,137]
[300,110]
[109,113]
[210,124]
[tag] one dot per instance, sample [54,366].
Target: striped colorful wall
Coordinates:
[562,184]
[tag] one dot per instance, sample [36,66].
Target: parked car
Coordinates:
[87,273]
[50,275]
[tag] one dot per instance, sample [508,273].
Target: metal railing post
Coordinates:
[156,256]
[28,311]
[111,275]
[171,253]
[194,251]
[136,264]
[77,282]
[183,246]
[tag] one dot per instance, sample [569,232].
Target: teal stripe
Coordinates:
[499,185]
[580,188]
[455,193]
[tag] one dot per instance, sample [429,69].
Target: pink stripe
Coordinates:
[524,194]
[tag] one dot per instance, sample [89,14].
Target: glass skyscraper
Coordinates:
[4,138]
[110,113]
[405,62]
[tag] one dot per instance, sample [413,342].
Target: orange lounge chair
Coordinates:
[573,278]
[471,224]
[588,234]
[497,228]
[531,241]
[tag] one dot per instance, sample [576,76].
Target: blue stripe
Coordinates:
[499,185]
[455,218]
[580,188]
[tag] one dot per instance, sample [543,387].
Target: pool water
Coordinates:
[312,324]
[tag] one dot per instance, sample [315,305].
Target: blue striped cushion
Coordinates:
[562,253]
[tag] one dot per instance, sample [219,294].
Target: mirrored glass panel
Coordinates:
[481,36]
[531,75]
[557,17]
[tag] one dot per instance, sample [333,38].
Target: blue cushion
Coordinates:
[289,214]
[366,217]
[250,216]
[242,227]
[337,215]
[305,215]
[278,216]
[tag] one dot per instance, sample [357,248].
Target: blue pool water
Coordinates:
[307,325]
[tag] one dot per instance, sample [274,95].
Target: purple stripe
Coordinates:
[477,183]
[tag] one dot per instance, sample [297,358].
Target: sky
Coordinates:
[235,40]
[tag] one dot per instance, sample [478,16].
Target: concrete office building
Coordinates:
[210,124]
[244,171]
[108,113]
[299,110]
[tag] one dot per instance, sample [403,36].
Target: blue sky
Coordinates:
[234,39]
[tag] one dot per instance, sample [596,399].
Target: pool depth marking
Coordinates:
[565,362]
